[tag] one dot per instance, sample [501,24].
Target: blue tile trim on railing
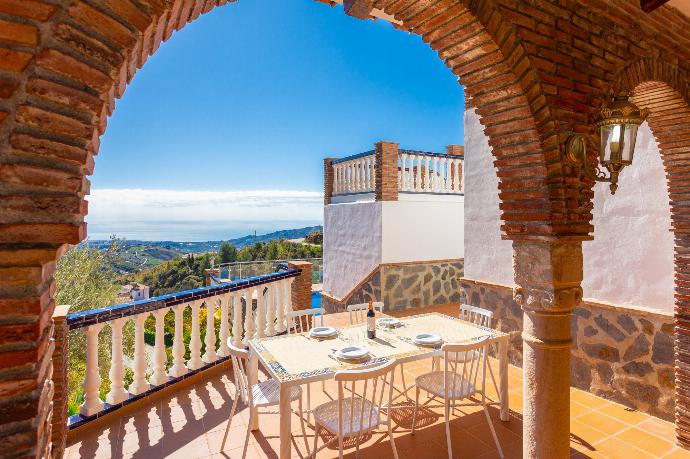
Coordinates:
[428,153]
[357,156]
[94,316]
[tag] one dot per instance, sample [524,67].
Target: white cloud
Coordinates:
[142,205]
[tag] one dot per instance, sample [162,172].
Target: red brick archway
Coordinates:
[664,90]
[62,66]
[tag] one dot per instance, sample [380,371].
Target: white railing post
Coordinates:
[139,384]
[270,309]
[178,369]
[223,350]
[260,312]
[237,323]
[280,305]
[195,361]
[159,357]
[210,338]
[248,317]
[418,174]
[92,382]
[117,392]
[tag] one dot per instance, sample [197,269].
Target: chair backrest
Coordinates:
[468,361]
[368,388]
[240,358]
[479,316]
[358,312]
[302,320]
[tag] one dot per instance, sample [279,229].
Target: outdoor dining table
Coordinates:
[298,359]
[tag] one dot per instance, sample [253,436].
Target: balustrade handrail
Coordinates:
[357,156]
[85,318]
[428,153]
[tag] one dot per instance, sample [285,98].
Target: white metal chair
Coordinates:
[360,412]
[357,314]
[261,395]
[483,318]
[299,322]
[463,377]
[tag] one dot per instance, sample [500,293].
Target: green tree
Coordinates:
[227,252]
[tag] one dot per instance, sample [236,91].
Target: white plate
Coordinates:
[322,332]
[389,322]
[352,353]
[427,339]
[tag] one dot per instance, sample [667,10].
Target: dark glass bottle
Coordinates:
[371,322]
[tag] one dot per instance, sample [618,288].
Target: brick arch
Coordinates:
[664,90]
[67,64]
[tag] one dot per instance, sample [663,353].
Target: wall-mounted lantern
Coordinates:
[618,126]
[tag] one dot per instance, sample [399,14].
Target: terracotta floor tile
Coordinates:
[576,409]
[583,437]
[678,453]
[617,449]
[658,427]
[601,422]
[646,441]
[587,399]
[623,413]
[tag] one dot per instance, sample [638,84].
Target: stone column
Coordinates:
[386,171]
[301,285]
[60,380]
[327,180]
[547,276]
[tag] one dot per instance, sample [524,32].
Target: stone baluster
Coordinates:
[260,312]
[350,177]
[270,298]
[117,393]
[367,174]
[237,319]
[288,295]
[139,384]
[223,350]
[279,290]
[445,175]
[210,338]
[418,175]
[360,174]
[195,361]
[159,357]
[407,171]
[248,317]
[178,369]
[92,382]
[437,173]
[335,178]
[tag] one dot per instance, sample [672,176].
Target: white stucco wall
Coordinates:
[351,245]
[422,231]
[630,260]
[487,257]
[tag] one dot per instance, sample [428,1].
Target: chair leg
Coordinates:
[246,442]
[304,432]
[316,436]
[340,446]
[308,401]
[402,378]
[493,431]
[450,446]
[416,406]
[232,414]
[390,435]
[493,379]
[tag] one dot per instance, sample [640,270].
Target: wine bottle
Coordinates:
[371,322]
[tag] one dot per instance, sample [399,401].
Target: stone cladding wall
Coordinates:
[619,353]
[406,285]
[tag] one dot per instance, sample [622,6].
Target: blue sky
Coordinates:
[251,97]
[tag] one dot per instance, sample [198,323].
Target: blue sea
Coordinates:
[189,231]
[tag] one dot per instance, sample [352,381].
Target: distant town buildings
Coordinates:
[132,292]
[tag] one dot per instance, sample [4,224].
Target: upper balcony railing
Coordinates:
[384,173]
[242,310]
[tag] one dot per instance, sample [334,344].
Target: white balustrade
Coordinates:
[117,392]
[210,338]
[355,175]
[420,172]
[178,369]
[159,357]
[92,382]
[237,322]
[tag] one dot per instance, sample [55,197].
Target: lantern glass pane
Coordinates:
[610,143]
[630,135]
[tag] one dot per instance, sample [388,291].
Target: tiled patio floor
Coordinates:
[190,423]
